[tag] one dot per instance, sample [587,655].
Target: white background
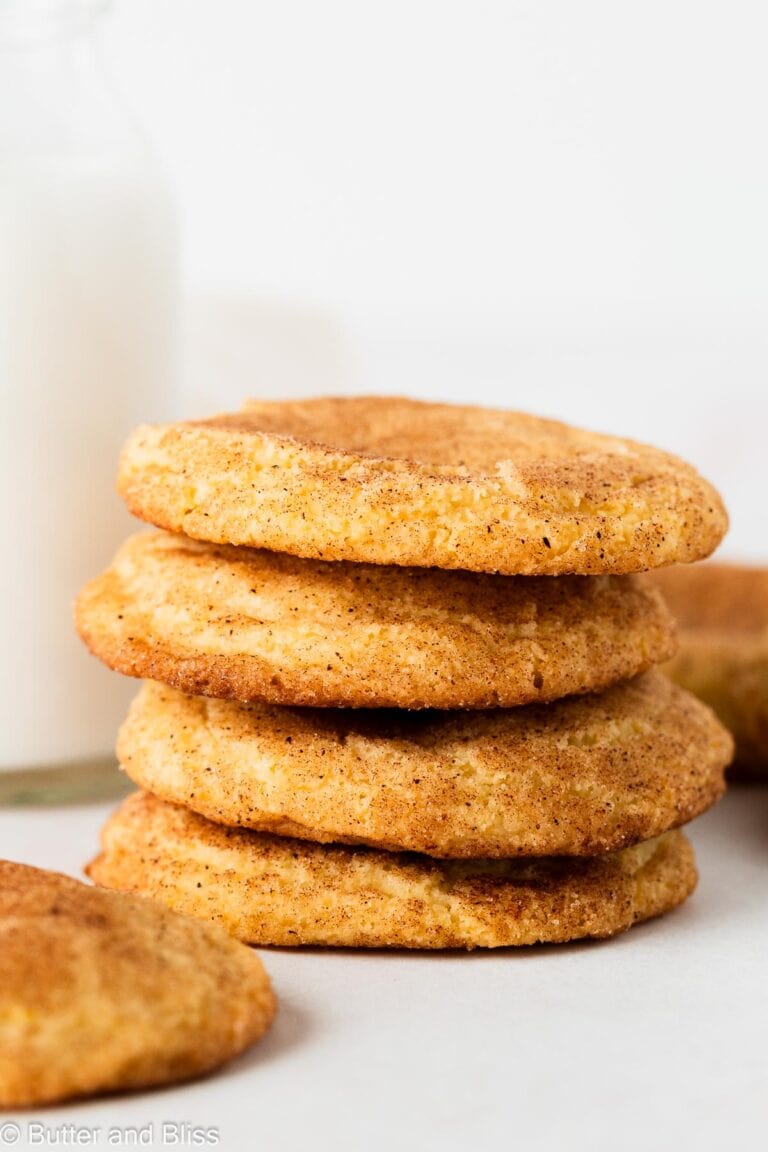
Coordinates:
[551,205]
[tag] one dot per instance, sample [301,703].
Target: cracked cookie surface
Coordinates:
[256,625]
[271,890]
[105,992]
[583,776]
[387,480]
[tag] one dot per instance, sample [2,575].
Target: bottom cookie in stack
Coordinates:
[535,824]
[269,889]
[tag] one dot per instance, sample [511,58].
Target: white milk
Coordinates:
[87,287]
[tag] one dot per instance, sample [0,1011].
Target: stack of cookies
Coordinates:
[400,685]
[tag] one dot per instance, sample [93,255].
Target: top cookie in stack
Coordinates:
[384,480]
[383,553]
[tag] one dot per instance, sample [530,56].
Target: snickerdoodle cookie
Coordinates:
[386,480]
[101,991]
[255,625]
[723,614]
[583,776]
[270,890]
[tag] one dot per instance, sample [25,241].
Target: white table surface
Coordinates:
[655,1040]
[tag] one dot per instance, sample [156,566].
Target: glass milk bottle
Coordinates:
[87,309]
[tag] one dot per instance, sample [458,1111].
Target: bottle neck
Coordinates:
[47,25]
[55,98]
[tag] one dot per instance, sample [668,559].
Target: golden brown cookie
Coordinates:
[102,992]
[583,776]
[723,614]
[246,624]
[269,890]
[386,480]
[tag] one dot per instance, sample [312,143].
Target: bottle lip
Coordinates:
[33,21]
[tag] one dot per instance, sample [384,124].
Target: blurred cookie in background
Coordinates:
[722,610]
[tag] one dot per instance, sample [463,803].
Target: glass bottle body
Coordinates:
[87,324]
